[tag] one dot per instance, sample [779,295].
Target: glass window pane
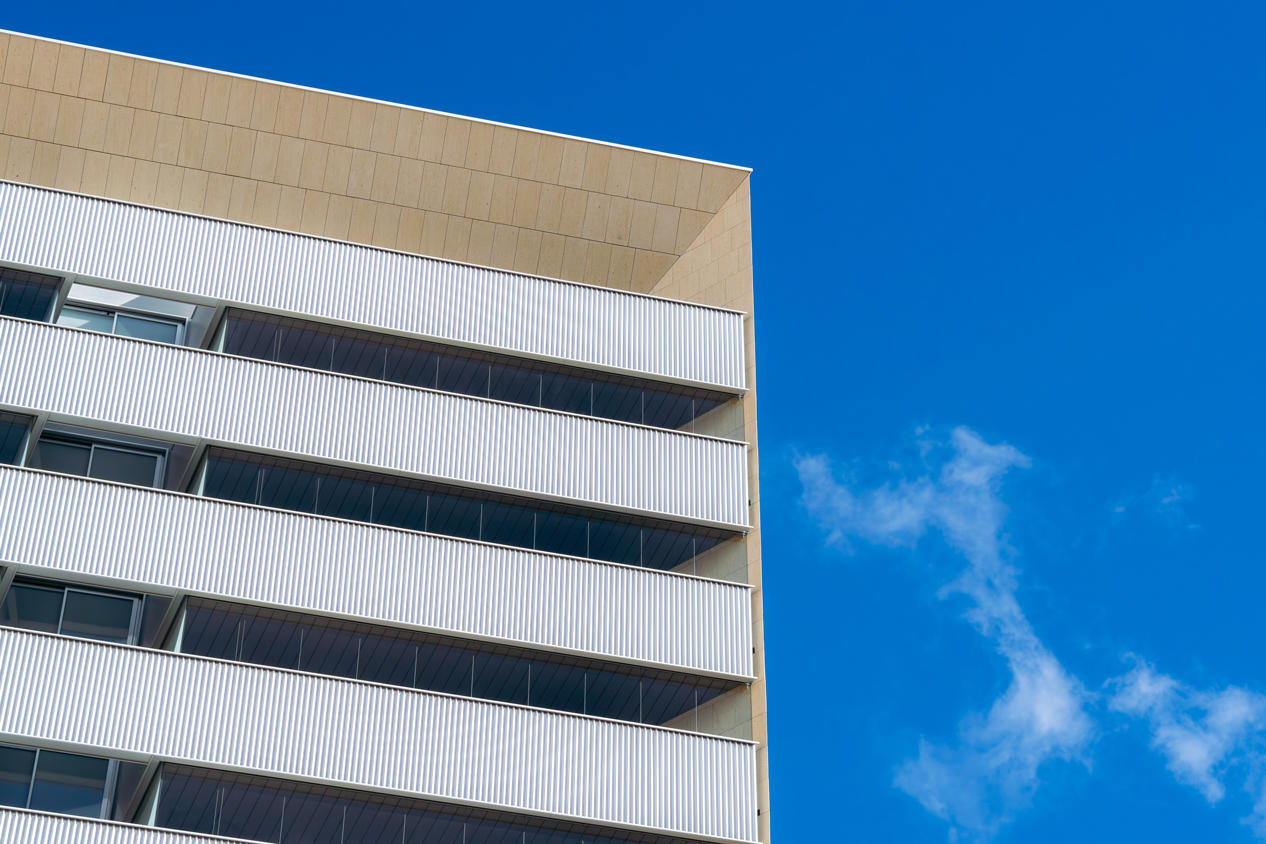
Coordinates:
[345,498]
[26,295]
[567,392]
[13,430]
[301,347]
[146,329]
[357,355]
[454,515]
[463,375]
[515,384]
[560,533]
[509,524]
[82,318]
[16,764]
[252,338]
[69,784]
[68,458]
[32,608]
[415,367]
[617,401]
[106,618]
[128,467]
[127,780]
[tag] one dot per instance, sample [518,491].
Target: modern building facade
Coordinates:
[367,474]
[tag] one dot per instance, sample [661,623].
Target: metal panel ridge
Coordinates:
[425,297]
[193,394]
[223,715]
[20,825]
[142,538]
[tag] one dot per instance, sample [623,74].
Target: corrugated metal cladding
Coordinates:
[21,827]
[251,554]
[292,725]
[360,284]
[258,405]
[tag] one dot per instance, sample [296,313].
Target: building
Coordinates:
[369,474]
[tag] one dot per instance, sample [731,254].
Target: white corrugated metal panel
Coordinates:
[359,284]
[256,405]
[225,715]
[23,827]
[148,538]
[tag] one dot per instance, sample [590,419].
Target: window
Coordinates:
[142,327]
[454,511]
[65,783]
[106,461]
[13,431]
[73,610]
[417,660]
[417,363]
[255,808]
[27,295]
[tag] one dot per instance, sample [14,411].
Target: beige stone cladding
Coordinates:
[403,178]
[276,155]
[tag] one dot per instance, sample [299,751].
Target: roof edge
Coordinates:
[229,73]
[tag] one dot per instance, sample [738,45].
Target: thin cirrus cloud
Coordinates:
[1165,501]
[990,773]
[1204,736]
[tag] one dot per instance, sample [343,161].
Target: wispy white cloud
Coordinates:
[1204,736]
[1165,501]
[981,782]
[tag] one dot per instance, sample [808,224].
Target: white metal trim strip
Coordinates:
[161,389]
[235,263]
[169,542]
[321,729]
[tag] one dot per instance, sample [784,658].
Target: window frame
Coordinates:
[134,625]
[92,444]
[111,779]
[180,325]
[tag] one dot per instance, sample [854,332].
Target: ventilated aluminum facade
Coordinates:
[298,726]
[254,267]
[147,539]
[22,827]
[164,389]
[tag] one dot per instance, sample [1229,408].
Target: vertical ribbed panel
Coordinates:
[19,827]
[226,715]
[251,554]
[174,390]
[407,293]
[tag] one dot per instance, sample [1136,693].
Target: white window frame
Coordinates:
[115,313]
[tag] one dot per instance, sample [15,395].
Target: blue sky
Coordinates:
[1009,265]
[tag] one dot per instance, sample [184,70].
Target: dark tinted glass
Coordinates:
[90,615]
[449,511]
[155,609]
[32,608]
[266,809]
[127,780]
[440,663]
[127,467]
[13,430]
[16,765]
[69,784]
[421,364]
[68,458]
[27,295]
[146,329]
